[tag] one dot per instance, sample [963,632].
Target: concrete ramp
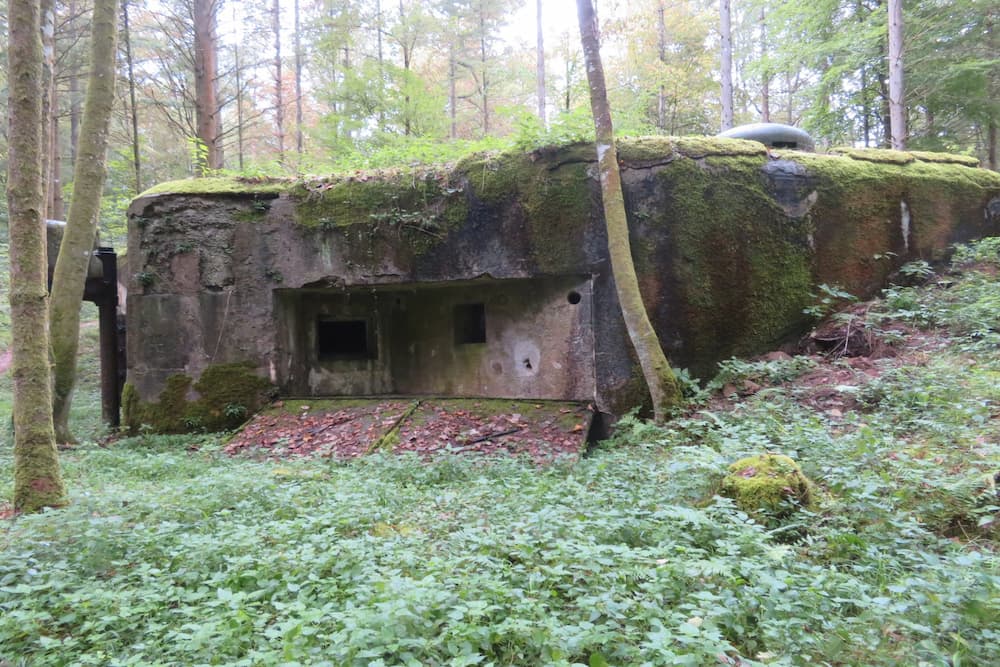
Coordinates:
[346,428]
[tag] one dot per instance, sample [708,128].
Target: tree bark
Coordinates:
[991,139]
[47,16]
[81,226]
[279,102]
[726,34]
[897,94]
[37,478]
[660,379]
[133,109]
[540,64]
[298,82]
[765,83]
[206,71]
[661,97]
[74,102]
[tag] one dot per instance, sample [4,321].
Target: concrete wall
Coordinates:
[729,240]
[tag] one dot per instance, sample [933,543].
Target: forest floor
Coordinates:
[183,550]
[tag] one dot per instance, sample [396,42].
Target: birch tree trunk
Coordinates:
[37,477]
[897,95]
[660,379]
[726,34]
[81,226]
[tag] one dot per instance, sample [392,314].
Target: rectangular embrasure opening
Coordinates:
[344,340]
[470,323]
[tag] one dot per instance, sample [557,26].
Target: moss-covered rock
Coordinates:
[768,485]
[223,398]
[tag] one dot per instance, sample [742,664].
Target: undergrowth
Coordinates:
[172,553]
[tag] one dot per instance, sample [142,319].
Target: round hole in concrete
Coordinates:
[573,297]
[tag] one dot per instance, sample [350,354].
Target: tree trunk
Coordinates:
[74,102]
[56,204]
[47,16]
[726,34]
[239,105]
[37,477]
[298,82]
[484,82]
[133,109]
[660,380]
[897,96]
[452,93]
[381,61]
[81,226]
[206,71]
[765,84]
[279,102]
[661,98]
[991,148]
[540,63]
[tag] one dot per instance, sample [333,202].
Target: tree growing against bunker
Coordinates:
[81,227]
[660,379]
[37,477]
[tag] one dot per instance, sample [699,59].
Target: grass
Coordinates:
[174,554]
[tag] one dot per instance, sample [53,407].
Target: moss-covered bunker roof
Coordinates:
[631,149]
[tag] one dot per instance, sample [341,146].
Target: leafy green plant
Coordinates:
[829,299]
[174,553]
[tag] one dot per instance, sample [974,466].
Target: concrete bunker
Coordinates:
[490,278]
[514,338]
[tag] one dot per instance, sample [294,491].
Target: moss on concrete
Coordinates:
[767,486]
[224,397]
[738,269]
[222,185]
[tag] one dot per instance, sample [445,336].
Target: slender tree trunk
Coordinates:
[540,63]
[485,82]
[75,109]
[37,478]
[56,204]
[897,94]
[133,108]
[81,226]
[47,16]
[991,148]
[661,97]
[452,93]
[656,369]
[279,102]
[239,105]
[791,98]
[765,84]
[206,73]
[381,60]
[726,33]
[298,82]
[406,46]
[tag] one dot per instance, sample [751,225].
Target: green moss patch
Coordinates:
[224,185]
[226,396]
[768,485]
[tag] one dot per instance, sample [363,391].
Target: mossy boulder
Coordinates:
[770,485]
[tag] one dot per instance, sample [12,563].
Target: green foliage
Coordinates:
[173,553]
[829,299]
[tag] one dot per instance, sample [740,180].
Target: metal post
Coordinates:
[107,309]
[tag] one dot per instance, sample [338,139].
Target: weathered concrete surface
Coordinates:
[729,240]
